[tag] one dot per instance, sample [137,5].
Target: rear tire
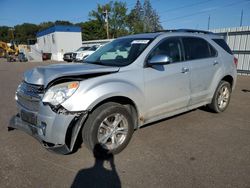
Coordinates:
[108,129]
[221,97]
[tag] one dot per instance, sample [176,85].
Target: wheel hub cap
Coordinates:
[113,131]
[223,97]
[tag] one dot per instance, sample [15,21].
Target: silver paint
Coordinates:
[157,91]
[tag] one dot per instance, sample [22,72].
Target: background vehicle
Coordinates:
[9,51]
[70,56]
[21,57]
[129,82]
[80,55]
[46,56]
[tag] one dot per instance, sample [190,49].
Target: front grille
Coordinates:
[67,56]
[74,55]
[29,95]
[29,104]
[31,88]
[28,117]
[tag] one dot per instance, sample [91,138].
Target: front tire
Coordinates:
[221,97]
[108,129]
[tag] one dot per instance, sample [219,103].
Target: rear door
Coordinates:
[167,86]
[203,63]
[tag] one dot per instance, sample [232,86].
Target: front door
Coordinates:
[166,86]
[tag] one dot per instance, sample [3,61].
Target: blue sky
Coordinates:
[173,13]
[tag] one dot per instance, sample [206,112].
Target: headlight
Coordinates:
[59,93]
[85,56]
[81,54]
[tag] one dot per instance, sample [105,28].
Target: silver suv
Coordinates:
[130,82]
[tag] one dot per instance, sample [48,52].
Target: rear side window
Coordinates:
[224,45]
[197,48]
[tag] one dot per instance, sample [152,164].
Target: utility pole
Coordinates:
[106,13]
[241,18]
[208,23]
[11,33]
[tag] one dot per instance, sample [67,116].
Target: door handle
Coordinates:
[215,63]
[184,70]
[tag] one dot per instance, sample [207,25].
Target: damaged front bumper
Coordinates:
[56,132]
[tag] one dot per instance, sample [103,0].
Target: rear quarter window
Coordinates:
[223,44]
[197,48]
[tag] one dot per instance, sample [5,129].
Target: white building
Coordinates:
[58,40]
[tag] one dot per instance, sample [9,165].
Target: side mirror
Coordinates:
[160,60]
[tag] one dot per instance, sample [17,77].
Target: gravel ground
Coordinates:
[195,149]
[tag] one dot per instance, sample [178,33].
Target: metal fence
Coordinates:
[94,42]
[238,39]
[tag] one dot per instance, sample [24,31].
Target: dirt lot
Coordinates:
[195,149]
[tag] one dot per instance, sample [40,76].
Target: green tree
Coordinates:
[117,19]
[62,22]
[91,30]
[135,19]
[117,16]
[45,25]
[143,18]
[151,19]
[4,34]
[24,32]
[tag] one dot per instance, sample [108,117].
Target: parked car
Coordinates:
[70,56]
[130,82]
[80,55]
[21,57]
[46,56]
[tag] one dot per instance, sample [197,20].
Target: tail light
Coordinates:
[235,61]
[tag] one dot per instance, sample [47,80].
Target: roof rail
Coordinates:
[194,31]
[186,30]
[166,30]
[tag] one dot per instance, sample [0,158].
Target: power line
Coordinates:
[87,17]
[204,11]
[185,6]
[166,11]
[128,6]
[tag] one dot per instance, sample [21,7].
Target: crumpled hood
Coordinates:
[45,74]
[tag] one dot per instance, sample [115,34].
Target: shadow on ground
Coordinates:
[245,90]
[98,176]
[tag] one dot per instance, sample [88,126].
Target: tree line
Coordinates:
[141,18]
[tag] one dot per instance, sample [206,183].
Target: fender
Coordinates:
[92,92]
[218,77]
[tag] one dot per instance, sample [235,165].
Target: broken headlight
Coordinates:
[59,93]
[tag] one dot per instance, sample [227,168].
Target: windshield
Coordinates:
[93,48]
[120,52]
[82,49]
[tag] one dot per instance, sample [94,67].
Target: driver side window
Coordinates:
[170,47]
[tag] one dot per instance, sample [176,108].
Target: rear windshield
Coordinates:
[224,45]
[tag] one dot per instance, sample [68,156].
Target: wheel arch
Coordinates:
[229,79]
[128,103]
[72,138]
